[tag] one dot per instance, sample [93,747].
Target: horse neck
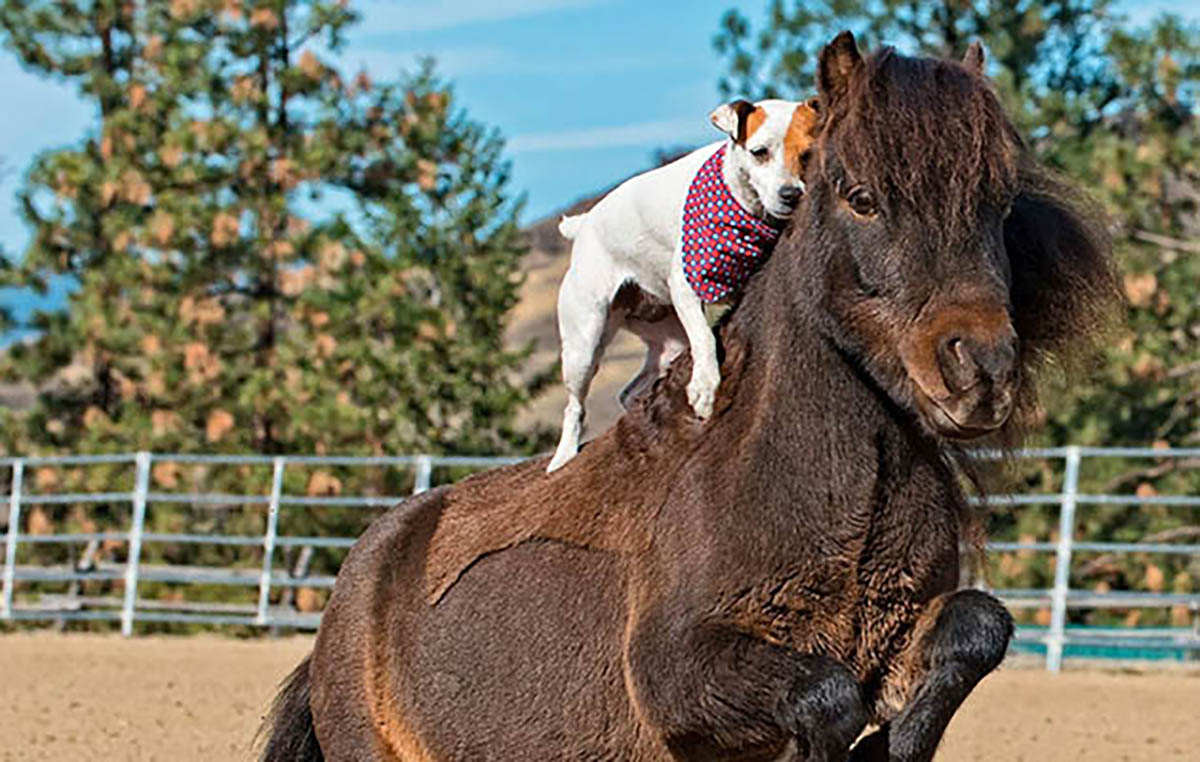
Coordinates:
[805,407]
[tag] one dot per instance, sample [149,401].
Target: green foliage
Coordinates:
[1114,107]
[220,303]
[270,256]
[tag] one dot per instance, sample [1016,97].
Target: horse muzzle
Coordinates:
[965,372]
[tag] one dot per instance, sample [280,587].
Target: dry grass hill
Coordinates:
[535,318]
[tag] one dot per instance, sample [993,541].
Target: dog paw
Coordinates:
[561,458]
[701,392]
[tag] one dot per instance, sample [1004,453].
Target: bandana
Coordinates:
[723,244]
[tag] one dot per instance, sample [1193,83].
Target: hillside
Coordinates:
[535,318]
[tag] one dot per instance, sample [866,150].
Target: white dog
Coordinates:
[678,236]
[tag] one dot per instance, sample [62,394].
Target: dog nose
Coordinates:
[791,195]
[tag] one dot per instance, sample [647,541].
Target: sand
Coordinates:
[92,697]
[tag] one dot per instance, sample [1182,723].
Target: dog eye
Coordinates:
[862,202]
[761,153]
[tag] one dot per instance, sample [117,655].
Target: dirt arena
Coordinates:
[86,697]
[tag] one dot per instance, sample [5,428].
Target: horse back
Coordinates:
[525,642]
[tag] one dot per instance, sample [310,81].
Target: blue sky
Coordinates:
[584,90]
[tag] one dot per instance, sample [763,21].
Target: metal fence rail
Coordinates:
[130,608]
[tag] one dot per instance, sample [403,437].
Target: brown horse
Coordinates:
[770,582]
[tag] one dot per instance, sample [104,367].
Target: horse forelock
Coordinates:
[929,135]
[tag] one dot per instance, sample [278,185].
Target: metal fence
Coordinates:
[130,608]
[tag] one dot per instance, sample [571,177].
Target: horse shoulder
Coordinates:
[501,509]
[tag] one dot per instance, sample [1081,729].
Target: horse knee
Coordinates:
[830,710]
[973,630]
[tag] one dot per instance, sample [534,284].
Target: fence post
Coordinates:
[424,474]
[14,532]
[1062,562]
[140,487]
[264,580]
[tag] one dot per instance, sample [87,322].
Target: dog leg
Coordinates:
[585,326]
[706,374]
[646,376]
[665,340]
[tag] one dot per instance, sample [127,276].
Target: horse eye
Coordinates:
[761,153]
[862,202]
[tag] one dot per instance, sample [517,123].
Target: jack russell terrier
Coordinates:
[683,235]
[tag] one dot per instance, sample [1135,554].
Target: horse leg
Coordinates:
[962,637]
[713,692]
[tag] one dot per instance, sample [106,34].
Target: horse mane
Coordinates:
[903,127]
[1066,294]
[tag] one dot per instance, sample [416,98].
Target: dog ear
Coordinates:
[733,119]
[839,64]
[975,60]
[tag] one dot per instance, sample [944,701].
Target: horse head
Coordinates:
[947,262]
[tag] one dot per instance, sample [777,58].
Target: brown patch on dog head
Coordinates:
[800,134]
[739,119]
[751,123]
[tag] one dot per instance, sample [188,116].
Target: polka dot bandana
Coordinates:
[723,244]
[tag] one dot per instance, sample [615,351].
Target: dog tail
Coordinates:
[288,728]
[569,226]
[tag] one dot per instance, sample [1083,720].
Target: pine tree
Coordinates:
[269,257]
[1114,107]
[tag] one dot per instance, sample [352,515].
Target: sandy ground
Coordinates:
[87,697]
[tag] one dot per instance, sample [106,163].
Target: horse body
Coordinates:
[541,623]
[764,584]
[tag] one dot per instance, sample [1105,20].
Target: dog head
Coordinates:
[768,148]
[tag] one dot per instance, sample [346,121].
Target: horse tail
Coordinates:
[288,727]
[569,226]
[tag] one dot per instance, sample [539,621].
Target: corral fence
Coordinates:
[32,591]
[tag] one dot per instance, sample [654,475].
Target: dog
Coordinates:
[661,245]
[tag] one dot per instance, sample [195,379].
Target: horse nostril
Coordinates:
[966,361]
[954,350]
[955,345]
[958,366]
[998,360]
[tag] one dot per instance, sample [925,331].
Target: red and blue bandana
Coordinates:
[723,244]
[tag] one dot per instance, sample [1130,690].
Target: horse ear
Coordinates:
[840,62]
[732,118]
[975,60]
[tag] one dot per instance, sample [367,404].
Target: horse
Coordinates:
[781,580]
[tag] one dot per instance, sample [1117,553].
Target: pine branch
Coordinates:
[1166,242]
[1179,371]
[1167,466]
[1171,535]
